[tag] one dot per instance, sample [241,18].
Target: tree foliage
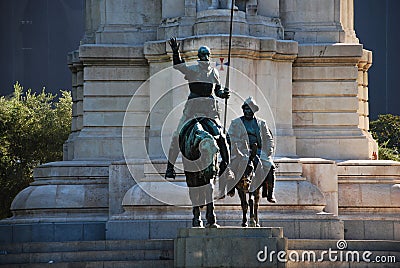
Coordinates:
[33,128]
[386,131]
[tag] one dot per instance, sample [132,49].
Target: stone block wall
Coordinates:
[326,102]
[369,198]
[109,79]
[319,21]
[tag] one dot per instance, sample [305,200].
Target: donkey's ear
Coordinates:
[247,145]
[236,150]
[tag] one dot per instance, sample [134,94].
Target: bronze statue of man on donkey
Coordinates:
[247,131]
[252,147]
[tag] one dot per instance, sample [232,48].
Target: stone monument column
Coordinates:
[325,78]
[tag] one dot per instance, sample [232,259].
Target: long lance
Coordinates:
[229,62]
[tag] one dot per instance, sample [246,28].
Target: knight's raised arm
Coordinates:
[176,57]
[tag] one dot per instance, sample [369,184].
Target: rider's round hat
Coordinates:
[251,103]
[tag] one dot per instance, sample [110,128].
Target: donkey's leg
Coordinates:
[271,185]
[197,222]
[245,206]
[251,205]
[257,197]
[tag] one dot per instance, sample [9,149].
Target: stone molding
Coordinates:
[245,47]
[114,55]
[64,191]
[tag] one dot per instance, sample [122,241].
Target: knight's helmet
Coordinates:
[251,103]
[203,50]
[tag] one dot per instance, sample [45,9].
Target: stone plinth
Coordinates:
[229,247]
[111,77]
[50,199]
[67,201]
[153,204]
[369,198]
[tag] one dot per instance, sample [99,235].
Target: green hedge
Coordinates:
[33,128]
[386,131]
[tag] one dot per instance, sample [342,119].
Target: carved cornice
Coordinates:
[242,47]
[366,61]
[339,54]
[106,55]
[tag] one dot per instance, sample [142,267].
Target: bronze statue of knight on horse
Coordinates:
[200,135]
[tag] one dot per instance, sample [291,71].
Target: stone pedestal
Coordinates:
[84,197]
[230,247]
[67,201]
[369,198]
[156,208]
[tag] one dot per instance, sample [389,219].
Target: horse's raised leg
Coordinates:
[256,204]
[197,222]
[245,206]
[253,222]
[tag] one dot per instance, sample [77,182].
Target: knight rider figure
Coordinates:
[202,78]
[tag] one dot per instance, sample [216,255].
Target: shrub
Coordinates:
[386,131]
[33,128]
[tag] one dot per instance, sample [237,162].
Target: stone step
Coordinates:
[87,256]
[38,247]
[96,264]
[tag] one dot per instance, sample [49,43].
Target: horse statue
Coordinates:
[198,145]
[245,166]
